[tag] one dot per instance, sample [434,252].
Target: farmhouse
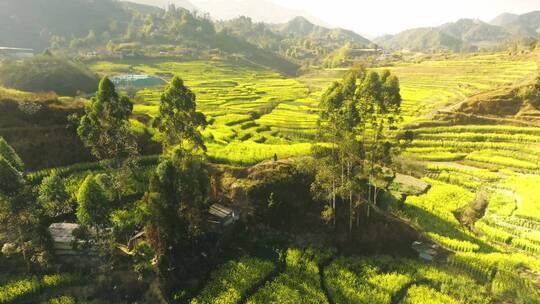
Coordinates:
[137,81]
[15,53]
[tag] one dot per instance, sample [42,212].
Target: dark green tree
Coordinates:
[94,205]
[380,102]
[175,209]
[178,120]
[339,123]
[18,213]
[53,196]
[357,117]
[105,127]
[7,152]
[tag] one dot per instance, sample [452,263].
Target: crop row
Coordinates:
[299,283]
[17,290]
[230,281]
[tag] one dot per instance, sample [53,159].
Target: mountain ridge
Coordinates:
[466,34]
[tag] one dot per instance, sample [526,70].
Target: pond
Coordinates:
[138,81]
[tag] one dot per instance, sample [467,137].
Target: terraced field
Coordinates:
[491,167]
[318,276]
[260,109]
[500,161]
[432,84]
[254,112]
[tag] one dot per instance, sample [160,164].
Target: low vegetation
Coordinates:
[47,73]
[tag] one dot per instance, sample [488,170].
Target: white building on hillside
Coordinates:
[15,53]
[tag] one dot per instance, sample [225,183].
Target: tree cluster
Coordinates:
[358,116]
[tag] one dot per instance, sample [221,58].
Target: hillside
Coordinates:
[504,19]
[35,124]
[47,73]
[422,39]
[33,24]
[463,35]
[302,27]
[526,25]
[125,29]
[298,39]
[467,34]
[518,103]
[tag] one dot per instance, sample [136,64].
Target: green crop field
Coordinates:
[467,278]
[328,168]
[466,163]
[260,109]
[433,84]
[254,113]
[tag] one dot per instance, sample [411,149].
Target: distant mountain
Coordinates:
[302,27]
[420,39]
[299,39]
[463,35]
[474,32]
[526,25]
[165,3]
[504,19]
[257,10]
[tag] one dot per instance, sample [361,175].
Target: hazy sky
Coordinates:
[377,17]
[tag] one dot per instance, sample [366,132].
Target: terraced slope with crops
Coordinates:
[256,112]
[320,276]
[482,202]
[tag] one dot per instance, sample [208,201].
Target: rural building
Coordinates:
[426,252]
[363,52]
[15,53]
[64,241]
[223,216]
[136,81]
[63,238]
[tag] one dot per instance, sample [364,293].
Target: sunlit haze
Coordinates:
[374,18]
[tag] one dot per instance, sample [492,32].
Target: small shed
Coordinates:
[63,238]
[426,252]
[222,215]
